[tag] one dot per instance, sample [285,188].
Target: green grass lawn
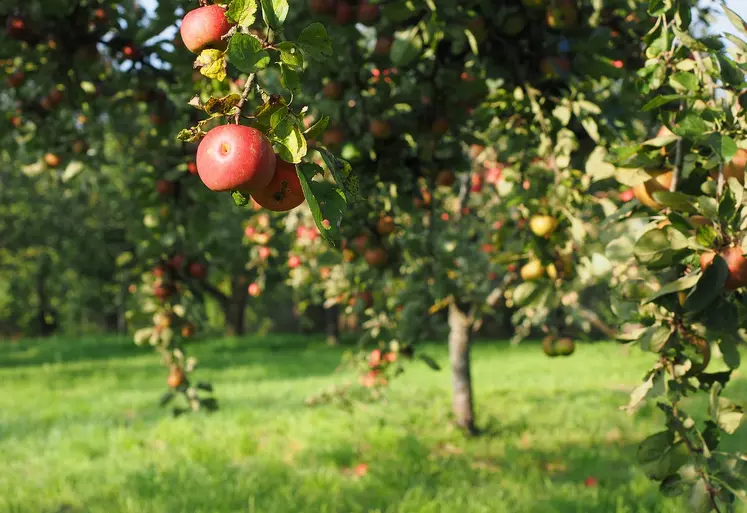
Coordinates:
[81,431]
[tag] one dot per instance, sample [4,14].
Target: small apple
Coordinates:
[52,160]
[176,377]
[476,181]
[736,167]
[360,243]
[164,187]
[80,146]
[542,225]
[254,290]
[294,261]
[332,90]
[660,181]
[132,52]
[188,330]
[344,13]
[736,263]
[158,271]
[204,28]
[162,291]
[532,270]
[333,137]
[380,129]
[284,191]
[235,157]
[322,6]
[348,255]
[176,261]
[367,13]
[627,195]
[385,225]
[192,168]
[16,79]
[591,482]
[264,252]
[376,257]
[197,270]
[16,28]
[16,121]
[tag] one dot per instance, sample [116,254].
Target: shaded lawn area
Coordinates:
[81,431]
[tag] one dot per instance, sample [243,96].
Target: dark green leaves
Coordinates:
[246,53]
[405,48]
[315,41]
[290,54]
[653,454]
[317,129]
[683,283]
[342,173]
[242,12]
[723,145]
[327,203]
[709,285]
[275,12]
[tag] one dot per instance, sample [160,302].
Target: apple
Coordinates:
[164,187]
[254,290]
[51,160]
[367,13]
[132,52]
[16,79]
[344,13]
[627,195]
[192,168]
[383,46]
[294,261]
[264,252]
[348,255]
[176,261]
[80,146]
[16,121]
[542,225]
[487,248]
[374,359]
[235,157]
[360,243]
[562,15]
[197,270]
[100,15]
[249,232]
[591,482]
[284,191]
[333,137]
[548,346]
[380,129]
[660,181]
[445,178]
[440,126]
[158,271]
[332,90]
[532,270]
[735,168]
[176,377]
[162,290]
[385,225]
[16,28]
[376,257]
[188,330]
[322,6]
[565,346]
[204,27]
[736,263]
[476,181]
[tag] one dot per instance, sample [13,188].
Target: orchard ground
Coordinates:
[80,431]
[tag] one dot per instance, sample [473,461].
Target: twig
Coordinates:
[244,96]
[677,166]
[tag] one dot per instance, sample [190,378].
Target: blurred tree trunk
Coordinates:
[460,340]
[234,307]
[332,324]
[46,316]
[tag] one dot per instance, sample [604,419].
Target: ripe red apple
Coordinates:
[162,290]
[367,13]
[16,79]
[176,261]
[333,137]
[51,160]
[332,90]
[235,157]
[264,252]
[440,126]
[445,178]
[294,261]
[736,263]
[344,13]
[16,28]
[16,121]
[660,181]
[476,180]
[374,359]
[159,271]
[188,330]
[360,243]
[322,6]
[376,257]
[591,482]
[627,195]
[493,175]
[100,15]
[132,52]
[385,225]
[197,270]
[284,191]
[204,27]
[164,187]
[249,232]
[192,168]
[254,290]
[383,46]
[380,129]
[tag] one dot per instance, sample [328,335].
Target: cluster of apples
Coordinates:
[558,346]
[238,157]
[541,225]
[378,362]
[167,274]
[373,253]
[661,180]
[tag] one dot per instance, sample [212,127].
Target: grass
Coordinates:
[80,431]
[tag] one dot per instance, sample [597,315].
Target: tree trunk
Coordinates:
[234,308]
[47,316]
[460,339]
[332,324]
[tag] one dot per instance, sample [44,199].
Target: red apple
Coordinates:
[736,263]
[16,28]
[132,52]
[235,157]
[591,482]
[204,27]
[294,261]
[380,129]
[333,137]
[192,168]
[164,187]
[344,13]
[249,232]
[176,261]
[284,191]
[16,79]
[159,271]
[367,13]
[254,290]
[264,252]
[376,257]
[197,270]
[493,175]
[322,6]
[52,160]
[627,195]
[332,90]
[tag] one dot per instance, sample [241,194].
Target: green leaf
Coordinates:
[317,129]
[736,20]
[709,286]
[684,80]
[673,485]
[689,41]
[290,78]
[708,207]
[405,48]
[222,105]
[677,200]
[684,283]
[652,387]
[239,198]
[736,41]
[287,133]
[706,236]
[290,54]
[655,338]
[690,125]
[430,362]
[723,145]
[730,350]
[246,53]
[315,41]
[653,454]
[662,99]
[342,172]
[242,12]
[524,292]
[212,64]
[729,415]
[275,12]
[327,203]
[473,44]
[730,72]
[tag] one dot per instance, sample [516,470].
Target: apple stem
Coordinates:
[244,96]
